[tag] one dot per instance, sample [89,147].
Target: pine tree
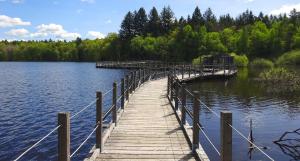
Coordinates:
[127,26]
[197,19]
[167,17]
[210,20]
[154,22]
[140,22]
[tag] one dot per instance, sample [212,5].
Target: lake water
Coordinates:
[272,114]
[31,95]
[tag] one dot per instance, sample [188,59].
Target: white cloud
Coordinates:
[54,30]
[108,21]
[95,35]
[17,32]
[88,1]
[285,9]
[6,21]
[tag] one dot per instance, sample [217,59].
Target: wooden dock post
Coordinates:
[143,75]
[189,71]
[99,143]
[176,86]
[183,101]
[114,102]
[172,87]
[226,136]
[182,71]
[134,80]
[64,136]
[131,82]
[122,93]
[127,87]
[195,121]
[168,85]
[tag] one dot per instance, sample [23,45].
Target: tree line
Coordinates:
[161,36]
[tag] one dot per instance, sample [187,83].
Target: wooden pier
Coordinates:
[186,72]
[146,119]
[148,129]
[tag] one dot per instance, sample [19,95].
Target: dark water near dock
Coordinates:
[272,115]
[31,95]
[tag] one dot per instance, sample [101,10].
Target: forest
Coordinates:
[159,35]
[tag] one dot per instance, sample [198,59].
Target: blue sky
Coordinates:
[67,19]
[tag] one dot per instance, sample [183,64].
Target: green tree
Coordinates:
[210,20]
[154,23]
[214,44]
[140,22]
[127,26]
[197,19]
[167,17]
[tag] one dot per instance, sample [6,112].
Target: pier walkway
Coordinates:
[148,129]
[152,116]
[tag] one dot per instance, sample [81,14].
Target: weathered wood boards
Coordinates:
[148,129]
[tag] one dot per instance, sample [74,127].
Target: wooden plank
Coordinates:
[148,129]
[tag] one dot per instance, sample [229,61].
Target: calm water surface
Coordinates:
[31,95]
[272,115]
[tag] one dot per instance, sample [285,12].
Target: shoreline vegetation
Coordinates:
[159,35]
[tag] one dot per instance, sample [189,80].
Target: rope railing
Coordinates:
[93,102]
[173,81]
[88,137]
[34,145]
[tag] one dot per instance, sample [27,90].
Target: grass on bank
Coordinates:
[289,58]
[262,63]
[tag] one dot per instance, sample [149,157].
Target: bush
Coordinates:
[289,58]
[240,60]
[262,63]
[280,80]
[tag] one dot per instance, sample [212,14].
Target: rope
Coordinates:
[37,142]
[84,141]
[210,141]
[84,108]
[107,92]
[119,98]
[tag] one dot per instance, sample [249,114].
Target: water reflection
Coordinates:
[271,114]
[289,143]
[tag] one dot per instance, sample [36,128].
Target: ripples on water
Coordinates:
[272,115]
[31,95]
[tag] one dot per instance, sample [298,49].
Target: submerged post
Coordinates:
[64,136]
[99,143]
[183,101]
[122,93]
[226,136]
[114,102]
[195,121]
